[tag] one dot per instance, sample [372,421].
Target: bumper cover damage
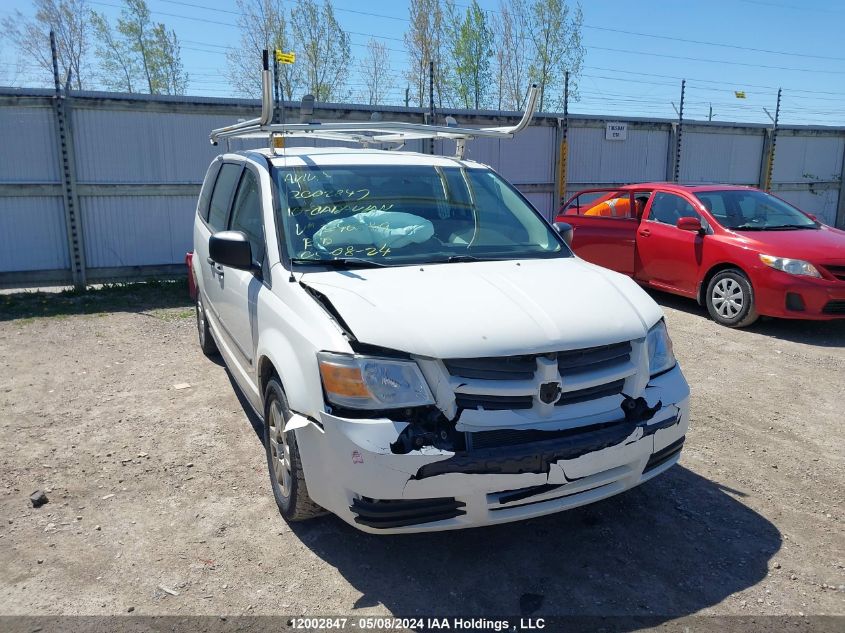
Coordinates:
[537,456]
[500,473]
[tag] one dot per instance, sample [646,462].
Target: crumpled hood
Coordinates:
[473,309]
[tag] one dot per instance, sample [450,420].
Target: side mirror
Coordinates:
[566,232]
[690,224]
[812,217]
[231,248]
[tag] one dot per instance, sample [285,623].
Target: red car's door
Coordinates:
[605,225]
[669,257]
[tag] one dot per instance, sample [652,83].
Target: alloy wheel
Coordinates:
[279,449]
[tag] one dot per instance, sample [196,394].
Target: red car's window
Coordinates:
[668,208]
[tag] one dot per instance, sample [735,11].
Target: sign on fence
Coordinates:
[616,131]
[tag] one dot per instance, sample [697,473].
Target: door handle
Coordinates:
[645,232]
[216,269]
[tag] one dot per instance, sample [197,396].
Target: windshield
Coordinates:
[405,214]
[751,210]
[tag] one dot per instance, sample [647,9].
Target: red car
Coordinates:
[738,250]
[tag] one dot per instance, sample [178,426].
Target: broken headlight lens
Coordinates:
[661,358]
[366,382]
[791,266]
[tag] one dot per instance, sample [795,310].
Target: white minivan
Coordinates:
[424,348]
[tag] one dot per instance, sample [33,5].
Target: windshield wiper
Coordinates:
[781,227]
[342,262]
[452,259]
[775,227]
[747,227]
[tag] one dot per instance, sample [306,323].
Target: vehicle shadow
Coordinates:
[821,333]
[136,297]
[677,545]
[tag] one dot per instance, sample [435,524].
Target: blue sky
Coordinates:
[750,45]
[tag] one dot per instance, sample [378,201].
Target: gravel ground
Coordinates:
[159,502]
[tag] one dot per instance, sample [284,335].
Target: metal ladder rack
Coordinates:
[366,132]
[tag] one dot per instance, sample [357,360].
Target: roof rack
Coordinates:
[364,132]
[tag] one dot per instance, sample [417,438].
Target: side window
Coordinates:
[641,202]
[617,205]
[205,192]
[222,196]
[246,214]
[668,208]
[601,204]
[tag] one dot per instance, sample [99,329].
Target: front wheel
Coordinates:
[287,477]
[730,299]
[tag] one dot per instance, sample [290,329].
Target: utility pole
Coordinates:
[771,159]
[73,223]
[431,103]
[680,131]
[710,114]
[407,96]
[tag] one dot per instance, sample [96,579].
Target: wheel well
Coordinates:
[266,371]
[702,287]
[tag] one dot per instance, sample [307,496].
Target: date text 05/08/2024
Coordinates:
[401,624]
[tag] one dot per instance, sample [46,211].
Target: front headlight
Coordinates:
[791,266]
[365,382]
[661,358]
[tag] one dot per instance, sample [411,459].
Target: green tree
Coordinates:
[118,68]
[326,49]
[69,20]
[143,52]
[472,53]
[513,54]
[556,39]
[263,25]
[375,71]
[170,75]
[425,41]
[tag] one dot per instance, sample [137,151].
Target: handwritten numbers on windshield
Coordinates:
[369,251]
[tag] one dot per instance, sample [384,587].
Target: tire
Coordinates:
[207,344]
[730,299]
[287,477]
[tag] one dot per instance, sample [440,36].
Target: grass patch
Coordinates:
[117,297]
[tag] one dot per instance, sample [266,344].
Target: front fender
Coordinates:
[293,329]
[297,370]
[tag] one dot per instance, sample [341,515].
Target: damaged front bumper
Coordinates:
[530,472]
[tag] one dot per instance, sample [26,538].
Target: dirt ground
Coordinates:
[159,501]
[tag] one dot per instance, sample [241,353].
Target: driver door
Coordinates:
[668,257]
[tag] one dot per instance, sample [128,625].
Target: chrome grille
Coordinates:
[512,383]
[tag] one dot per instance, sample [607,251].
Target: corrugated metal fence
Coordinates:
[138,162]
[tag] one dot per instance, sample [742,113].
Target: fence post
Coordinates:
[671,157]
[840,210]
[766,185]
[764,158]
[64,137]
[679,133]
[563,153]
